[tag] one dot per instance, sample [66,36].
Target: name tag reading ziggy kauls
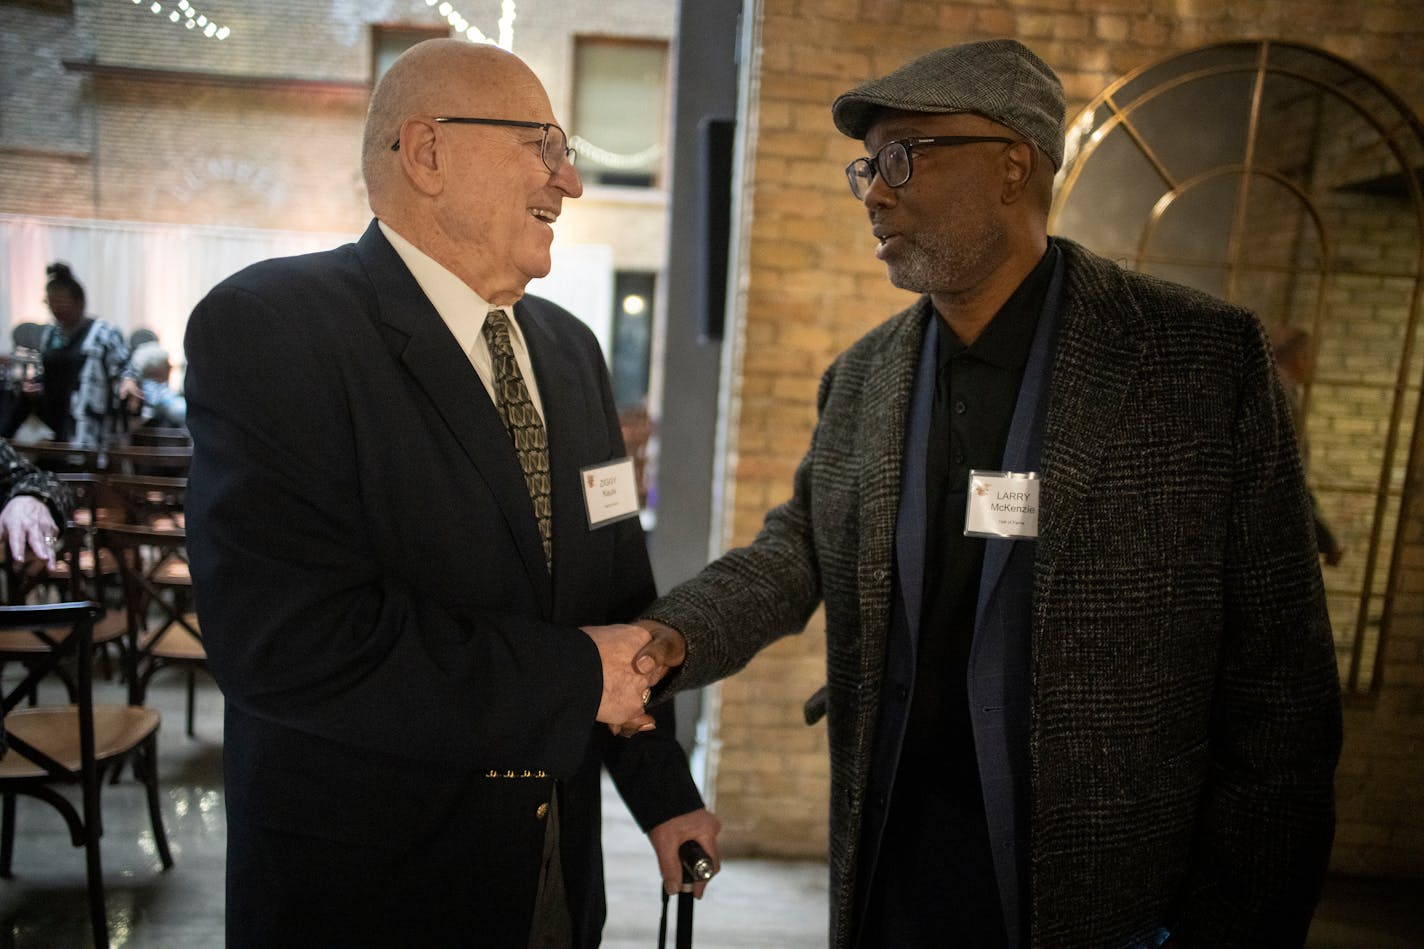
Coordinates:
[610,492]
[1002,504]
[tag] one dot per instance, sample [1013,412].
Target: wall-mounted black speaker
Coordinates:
[715,211]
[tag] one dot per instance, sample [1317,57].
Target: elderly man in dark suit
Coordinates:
[399,580]
[1081,685]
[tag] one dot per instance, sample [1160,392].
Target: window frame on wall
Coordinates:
[395,38]
[588,136]
[65,7]
[1157,164]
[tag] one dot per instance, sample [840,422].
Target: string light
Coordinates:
[461,25]
[186,14]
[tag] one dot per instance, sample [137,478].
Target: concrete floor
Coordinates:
[753,904]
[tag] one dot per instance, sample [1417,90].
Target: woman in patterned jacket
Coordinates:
[86,369]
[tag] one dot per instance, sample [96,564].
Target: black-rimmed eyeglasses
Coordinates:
[554,149]
[892,162]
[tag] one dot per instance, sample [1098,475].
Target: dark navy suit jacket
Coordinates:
[376,607]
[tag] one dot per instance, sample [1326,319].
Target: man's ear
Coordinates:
[421,160]
[1019,159]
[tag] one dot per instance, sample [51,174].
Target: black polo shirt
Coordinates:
[936,883]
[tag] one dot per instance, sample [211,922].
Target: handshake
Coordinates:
[635,658]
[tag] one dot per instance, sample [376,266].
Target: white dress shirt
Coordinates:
[464,311]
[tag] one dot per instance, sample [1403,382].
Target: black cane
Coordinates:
[696,867]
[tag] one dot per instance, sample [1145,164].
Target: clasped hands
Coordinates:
[635,657]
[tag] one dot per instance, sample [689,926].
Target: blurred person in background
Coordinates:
[86,373]
[162,404]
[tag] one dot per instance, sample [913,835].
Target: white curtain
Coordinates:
[152,275]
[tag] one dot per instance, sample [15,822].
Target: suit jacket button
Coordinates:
[542,811]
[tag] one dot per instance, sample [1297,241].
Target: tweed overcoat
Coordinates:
[1185,717]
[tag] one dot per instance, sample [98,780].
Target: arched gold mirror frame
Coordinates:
[1247,169]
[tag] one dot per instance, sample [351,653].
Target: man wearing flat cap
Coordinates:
[1081,685]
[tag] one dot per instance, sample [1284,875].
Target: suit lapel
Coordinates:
[557,375]
[422,342]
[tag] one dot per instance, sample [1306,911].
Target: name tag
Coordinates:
[610,492]
[1002,504]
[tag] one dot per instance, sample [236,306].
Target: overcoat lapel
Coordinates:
[1098,356]
[913,517]
[1022,447]
[423,343]
[884,422]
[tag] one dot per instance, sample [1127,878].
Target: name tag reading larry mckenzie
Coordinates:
[610,492]
[1002,504]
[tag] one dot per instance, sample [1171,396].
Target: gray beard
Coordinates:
[948,260]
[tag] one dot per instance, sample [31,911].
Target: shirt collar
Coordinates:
[462,309]
[1006,340]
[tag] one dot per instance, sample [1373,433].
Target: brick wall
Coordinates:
[259,152]
[813,287]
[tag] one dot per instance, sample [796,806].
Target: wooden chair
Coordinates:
[72,745]
[93,504]
[172,461]
[83,571]
[21,589]
[158,599]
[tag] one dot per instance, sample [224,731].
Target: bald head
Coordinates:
[442,77]
[479,197]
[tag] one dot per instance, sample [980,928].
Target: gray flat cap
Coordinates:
[1001,80]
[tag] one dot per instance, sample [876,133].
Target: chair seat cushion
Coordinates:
[174,641]
[118,729]
[16,643]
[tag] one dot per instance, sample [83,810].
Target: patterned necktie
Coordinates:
[531,443]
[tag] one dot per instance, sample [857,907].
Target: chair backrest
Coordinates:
[146,500]
[60,456]
[87,488]
[158,590]
[161,437]
[68,630]
[169,460]
[75,540]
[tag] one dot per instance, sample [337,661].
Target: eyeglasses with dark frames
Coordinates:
[893,161]
[554,149]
